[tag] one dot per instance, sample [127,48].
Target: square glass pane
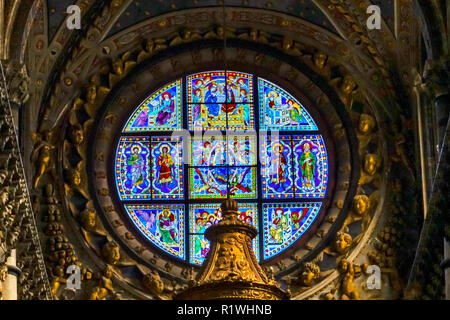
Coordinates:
[209,151]
[221,116]
[239,87]
[208,183]
[207,87]
[242,182]
[237,150]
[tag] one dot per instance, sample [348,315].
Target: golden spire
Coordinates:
[231,270]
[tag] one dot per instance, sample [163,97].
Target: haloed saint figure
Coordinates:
[136,170]
[308,166]
[165,166]
[278,165]
[167,224]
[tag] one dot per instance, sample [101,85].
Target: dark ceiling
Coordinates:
[140,10]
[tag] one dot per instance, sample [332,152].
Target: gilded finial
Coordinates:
[229,208]
[231,270]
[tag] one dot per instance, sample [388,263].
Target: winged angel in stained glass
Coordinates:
[149,218]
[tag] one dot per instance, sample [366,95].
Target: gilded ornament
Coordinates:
[105,286]
[77,135]
[360,211]
[371,164]
[401,155]
[3,276]
[153,283]
[111,252]
[231,270]
[347,90]
[348,288]
[366,126]
[42,155]
[88,219]
[350,271]
[184,36]
[57,280]
[342,243]
[309,274]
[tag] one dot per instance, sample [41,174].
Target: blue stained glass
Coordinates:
[276,161]
[239,87]
[208,183]
[202,216]
[207,87]
[285,223]
[281,111]
[163,225]
[242,182]
[132,168]
[160,112]
[221,116]
[209,107]
[241,150]
[209,152]
[236,151]
[311,166]
[150,168]
[167,174]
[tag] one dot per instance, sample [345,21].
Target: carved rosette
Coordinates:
[231,270]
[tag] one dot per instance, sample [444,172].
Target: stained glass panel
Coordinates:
[133,168]
[241,150]
[150,168]
[163,225]
[206,87]
[311,166]
[209,107]
[202,216]
[281,111]
[167,168]
[209,152]
[238,150]
[208,183]
[286,223]
[277,175]
[160,112]
[242,182]
[221,116]
[239,87]
[218,182]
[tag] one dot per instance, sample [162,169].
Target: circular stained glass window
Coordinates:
[216,135]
